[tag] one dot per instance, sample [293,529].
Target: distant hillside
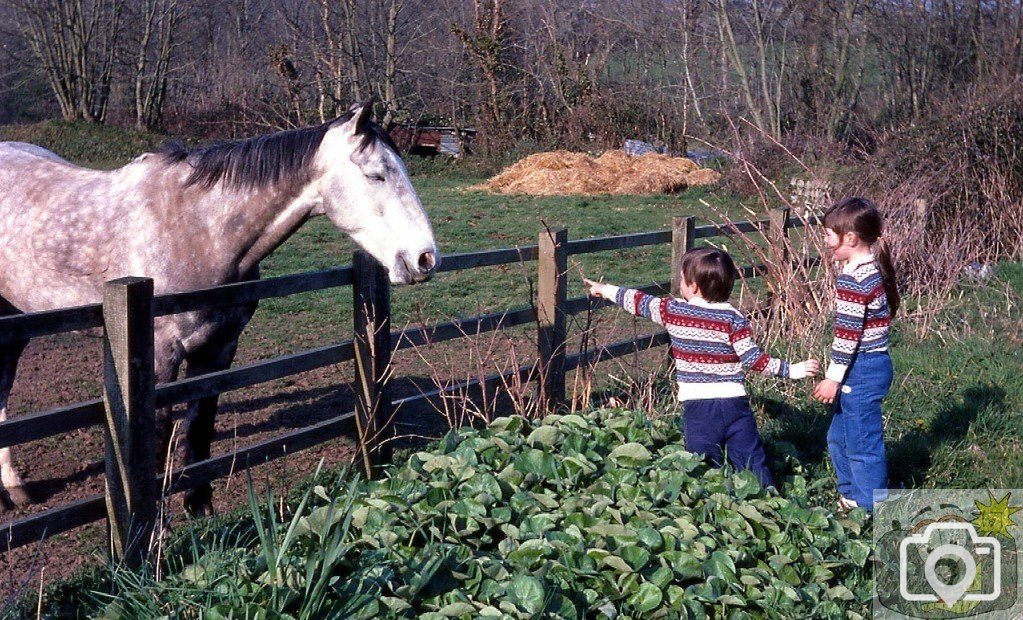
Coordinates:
[84,143]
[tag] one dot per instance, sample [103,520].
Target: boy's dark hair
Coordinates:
[712,270]
[861,216]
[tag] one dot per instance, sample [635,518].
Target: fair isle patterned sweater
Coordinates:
[862,317]
[710,342]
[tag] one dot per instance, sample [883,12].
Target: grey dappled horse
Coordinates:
[193,219]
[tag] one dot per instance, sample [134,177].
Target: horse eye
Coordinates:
[375,177]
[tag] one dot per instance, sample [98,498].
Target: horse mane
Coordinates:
[263,161]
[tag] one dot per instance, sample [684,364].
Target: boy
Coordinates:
[711,345]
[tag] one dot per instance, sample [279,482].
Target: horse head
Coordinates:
[366,192]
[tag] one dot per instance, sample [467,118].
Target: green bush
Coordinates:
[597,515]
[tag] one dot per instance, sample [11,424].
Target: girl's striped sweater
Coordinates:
[862,316]
[710,342]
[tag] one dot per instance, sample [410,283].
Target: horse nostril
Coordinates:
[427,262]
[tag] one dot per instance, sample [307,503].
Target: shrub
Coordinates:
[602,514]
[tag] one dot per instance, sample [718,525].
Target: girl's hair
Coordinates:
[860,216]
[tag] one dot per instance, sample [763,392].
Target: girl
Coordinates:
[860,372]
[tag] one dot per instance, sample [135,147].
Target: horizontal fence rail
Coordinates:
[254,290]
[25,326]
[87,510]
[371,294]
[52,322]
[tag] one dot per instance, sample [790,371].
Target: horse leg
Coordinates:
[168,357]
[13,490]
[200,421]
[215,354]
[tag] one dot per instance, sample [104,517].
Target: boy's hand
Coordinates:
[805,369]
[826,391]
[596,288]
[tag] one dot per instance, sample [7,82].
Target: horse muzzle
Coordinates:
[420,269]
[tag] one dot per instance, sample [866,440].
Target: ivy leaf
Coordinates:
[746,484]
[719,565]
[544,437]
[636,557]
[455,610]
[617,563]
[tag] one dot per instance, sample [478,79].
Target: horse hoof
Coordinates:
[18,496]
[198,508]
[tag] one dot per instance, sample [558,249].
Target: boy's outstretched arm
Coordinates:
[636,302]
[753,357]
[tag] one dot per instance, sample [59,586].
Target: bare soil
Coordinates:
[60,370]
[59,470]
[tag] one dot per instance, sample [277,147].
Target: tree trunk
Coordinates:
[75,42]
[152,62]
[391,65]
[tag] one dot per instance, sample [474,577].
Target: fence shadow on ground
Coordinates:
[42,489]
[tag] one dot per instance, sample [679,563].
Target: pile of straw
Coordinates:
[560,173]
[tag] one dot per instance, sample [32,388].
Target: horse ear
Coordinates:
[361,113]
[365,113]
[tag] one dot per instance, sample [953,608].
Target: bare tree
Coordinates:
[74,41]
[766,39]
[551,72]
[158,22]
[485,44]
[690,14]
[353,48]
[284,66]
[390,96]
[830,61]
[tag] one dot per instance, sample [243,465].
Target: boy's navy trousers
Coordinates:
[716,427]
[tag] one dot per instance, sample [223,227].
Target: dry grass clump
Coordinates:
[559,173]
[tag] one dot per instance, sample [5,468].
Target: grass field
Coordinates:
[469,220]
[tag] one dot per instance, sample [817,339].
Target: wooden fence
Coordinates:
[131,396]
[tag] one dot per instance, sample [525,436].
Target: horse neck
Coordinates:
[253,223]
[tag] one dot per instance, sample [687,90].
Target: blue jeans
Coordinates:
[856,435]
[715,426]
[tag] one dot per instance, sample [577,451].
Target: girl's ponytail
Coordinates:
[887,268]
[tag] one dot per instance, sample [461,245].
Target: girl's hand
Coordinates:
[805,369]
[826,391]
[596,288]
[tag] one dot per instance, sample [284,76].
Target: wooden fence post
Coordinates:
[778,232]
[922,214]
[551,295]
[371,293]
[683,239]
[797,198]
[129,396]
